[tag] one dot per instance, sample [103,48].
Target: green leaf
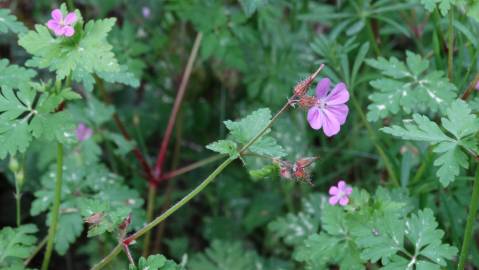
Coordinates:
[17,243]
[224,255]
[460,123]
[14,77]
[121,76]
[295,228]
[20,122]
[421,230]
[225,147]
[9,22]
[91,54]
[242,131]
[408,88]
[444,5]
[250,6]
[155,262]
[70,227]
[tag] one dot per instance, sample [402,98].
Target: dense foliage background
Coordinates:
[395,57]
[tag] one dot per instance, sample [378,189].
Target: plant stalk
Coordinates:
[55,209]
[176,107]
[18,203]
[471,218]
[191,167]
[188,197]
[150,208]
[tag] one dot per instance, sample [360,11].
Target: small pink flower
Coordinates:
[83,132]
[146,12]
[477,85]
[340,193]
[62,26]
[329,111]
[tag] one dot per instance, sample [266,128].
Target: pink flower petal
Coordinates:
[340,111]
[341,185]
[348,190]
[322,88]
[52,25]
[333,200]
[59,31]
[333,190]
[330,123]
[71,18]
[68,31]
[315,118]
[57,15]
[344,200]
[339,95]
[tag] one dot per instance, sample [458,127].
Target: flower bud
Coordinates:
[302,87]
[13,165]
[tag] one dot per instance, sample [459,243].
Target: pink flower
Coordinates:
[62,26]
[329,111]
[340,193]
[146,12]
[83,132]
[477,85]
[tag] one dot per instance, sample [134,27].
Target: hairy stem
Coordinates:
[189,196]
[55,209]
[471,218]
[450,45]
[176,107]
[170,185]
[163,216]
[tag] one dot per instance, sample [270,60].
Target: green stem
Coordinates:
[374,138]
[372,37]
[450,45]
[189,196]
[18,203]
[473,205]
[150,209]
[55,209]
[166,214]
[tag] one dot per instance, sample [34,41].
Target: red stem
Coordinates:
[119,124]
[176,107]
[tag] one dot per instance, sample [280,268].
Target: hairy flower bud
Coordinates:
[302,87]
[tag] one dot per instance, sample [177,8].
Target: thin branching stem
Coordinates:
[176,107]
